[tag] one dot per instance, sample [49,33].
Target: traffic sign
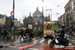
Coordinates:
[36,23]
[56,27]
[38,28]
[71,23]
[12,13]
[30,26]
[12,17]
[12,28]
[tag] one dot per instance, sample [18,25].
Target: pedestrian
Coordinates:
[70,31]
[67,29]
[73,29]
[22,34]
[5,34]
[31,33]
[26,32]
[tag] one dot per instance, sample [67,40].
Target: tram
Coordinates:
[48,29]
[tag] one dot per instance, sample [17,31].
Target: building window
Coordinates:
[0,16]
[70,18]
[74,3]
[74,8]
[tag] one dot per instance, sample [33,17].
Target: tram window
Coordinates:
[49,26]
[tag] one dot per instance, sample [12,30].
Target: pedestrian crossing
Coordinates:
[43,41]
[40,41]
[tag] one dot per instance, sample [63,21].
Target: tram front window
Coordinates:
[49,26]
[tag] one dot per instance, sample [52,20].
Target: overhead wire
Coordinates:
[59,5]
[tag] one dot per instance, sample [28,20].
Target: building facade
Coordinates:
[70,12]
[17,24]
[47,18]
[5,22]
[60,21]
[28,21]
[63,19]
[37,16]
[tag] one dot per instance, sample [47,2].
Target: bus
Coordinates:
[48,29]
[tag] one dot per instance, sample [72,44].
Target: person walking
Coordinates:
[22,33]
[26,32]
[5,34]
[70,31]
[31,34]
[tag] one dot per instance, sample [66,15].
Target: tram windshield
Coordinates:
[49,26]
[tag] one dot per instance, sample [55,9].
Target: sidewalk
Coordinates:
[17,41]
[7,43]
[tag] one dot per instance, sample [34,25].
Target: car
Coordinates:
[58,30]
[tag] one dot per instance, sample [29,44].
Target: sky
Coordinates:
[24,7]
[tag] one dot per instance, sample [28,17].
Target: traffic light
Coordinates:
[12,23]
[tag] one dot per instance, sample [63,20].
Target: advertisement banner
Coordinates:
[30,26]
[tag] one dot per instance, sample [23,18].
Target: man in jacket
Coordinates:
[61,36]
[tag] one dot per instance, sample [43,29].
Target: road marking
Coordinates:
[35,41]
[72,40]
[42,40]
[70,44]
[33,49]
[12,46]
[57,46]
[17,44]
[56,41]
[49,41]
[26,46]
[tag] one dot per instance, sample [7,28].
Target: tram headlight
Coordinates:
[46,32]
[51,32]
[44,35]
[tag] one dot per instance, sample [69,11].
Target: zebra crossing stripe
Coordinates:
[49,41]
[35,41]
[42,40]
[33,49]
[17,44]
